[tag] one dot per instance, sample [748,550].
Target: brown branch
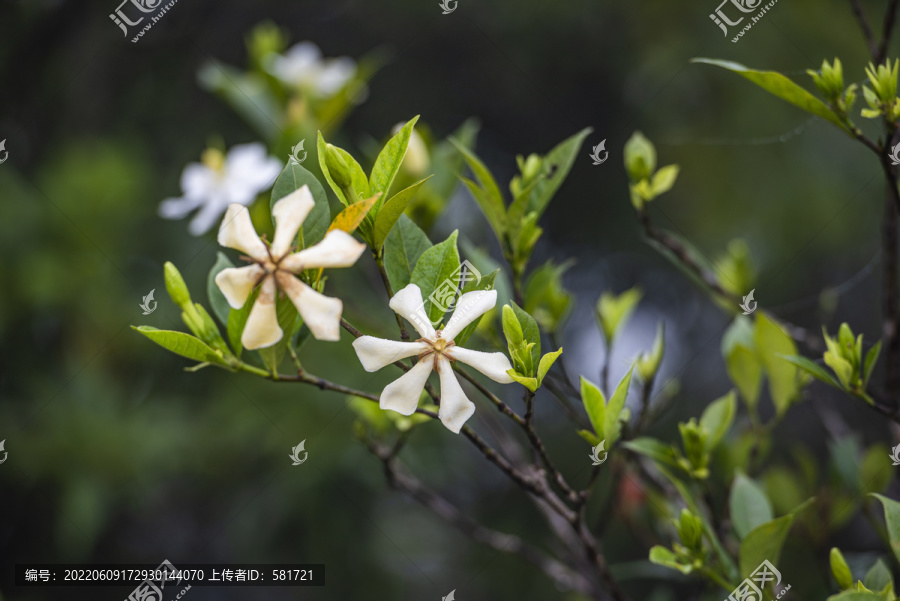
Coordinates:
[889,18]
[401,480]
[864,25]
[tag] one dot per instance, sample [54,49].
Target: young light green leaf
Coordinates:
[358,179]
[182,344]
[612,426]
[784,379]
[435,266]
[892,518]
[869,365]
[840,570]
[389,159]
[486,192]
[402,248]
[546,363]
[749,505]
[664,557]
[762,543]
[663,180]
[656,450]
[217,301]
[879,578]
[530,331]
[390,212]
[529,383]
[316,223]
[782,87]
[717,419]
[594,404]
[812,368]
[613,310]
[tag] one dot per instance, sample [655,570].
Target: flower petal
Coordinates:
[375,353]
[456,408]
[402,395]
[237,232]
[320,313]
[262,327]
[206,217]
[408,304]
[469,307]
[178,208]
[236,283]
[289,213]
[493,365]
[337,249]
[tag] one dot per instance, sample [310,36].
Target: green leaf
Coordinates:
[875,471]
[613,311]
[663,180]
[389,159]
[879,578]
[402,248]
[717,419]
[589,437]
[664,557]
[611,424]
[182,344]
[871,359]
[530,331]
[656,450]
[486,283]
[391,211]
[782,87]
[217,301]
[784,380]
[741,361]
[545,297]
[529,383]
[555,167]
[855,596]
[749,506]
[316,223]
[892,518]
[840,570]
[812,368]
[594,404]
[546,363]
[486,192]
[764,542]
[237,319]
[435,266]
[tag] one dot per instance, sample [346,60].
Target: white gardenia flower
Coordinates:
[221,180]
[274,267]
[435,350]
[302,66]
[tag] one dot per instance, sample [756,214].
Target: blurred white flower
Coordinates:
[219,181]
[302,66]
[274,267]
[434,350]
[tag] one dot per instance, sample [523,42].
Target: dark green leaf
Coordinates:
[749,505]
[436,267]
[316,224]
[390,212]
[892,518]
[402,248]
[486,192]
[182,344]
[389,159]
[764,542]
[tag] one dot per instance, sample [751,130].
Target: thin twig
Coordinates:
[864,25]
[889,17]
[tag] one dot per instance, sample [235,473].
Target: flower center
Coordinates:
[214,159]
[438,348]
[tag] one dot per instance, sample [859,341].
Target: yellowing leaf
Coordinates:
[350,218]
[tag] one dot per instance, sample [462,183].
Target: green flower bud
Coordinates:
[829,80]
[640,157]
[840,569]
[690,531]
[337,167]
[693,438]
[176,287]
[648,363]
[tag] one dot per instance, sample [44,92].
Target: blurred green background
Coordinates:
[118,455]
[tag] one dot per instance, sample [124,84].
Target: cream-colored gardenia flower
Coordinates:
[435,350]
[274,266]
